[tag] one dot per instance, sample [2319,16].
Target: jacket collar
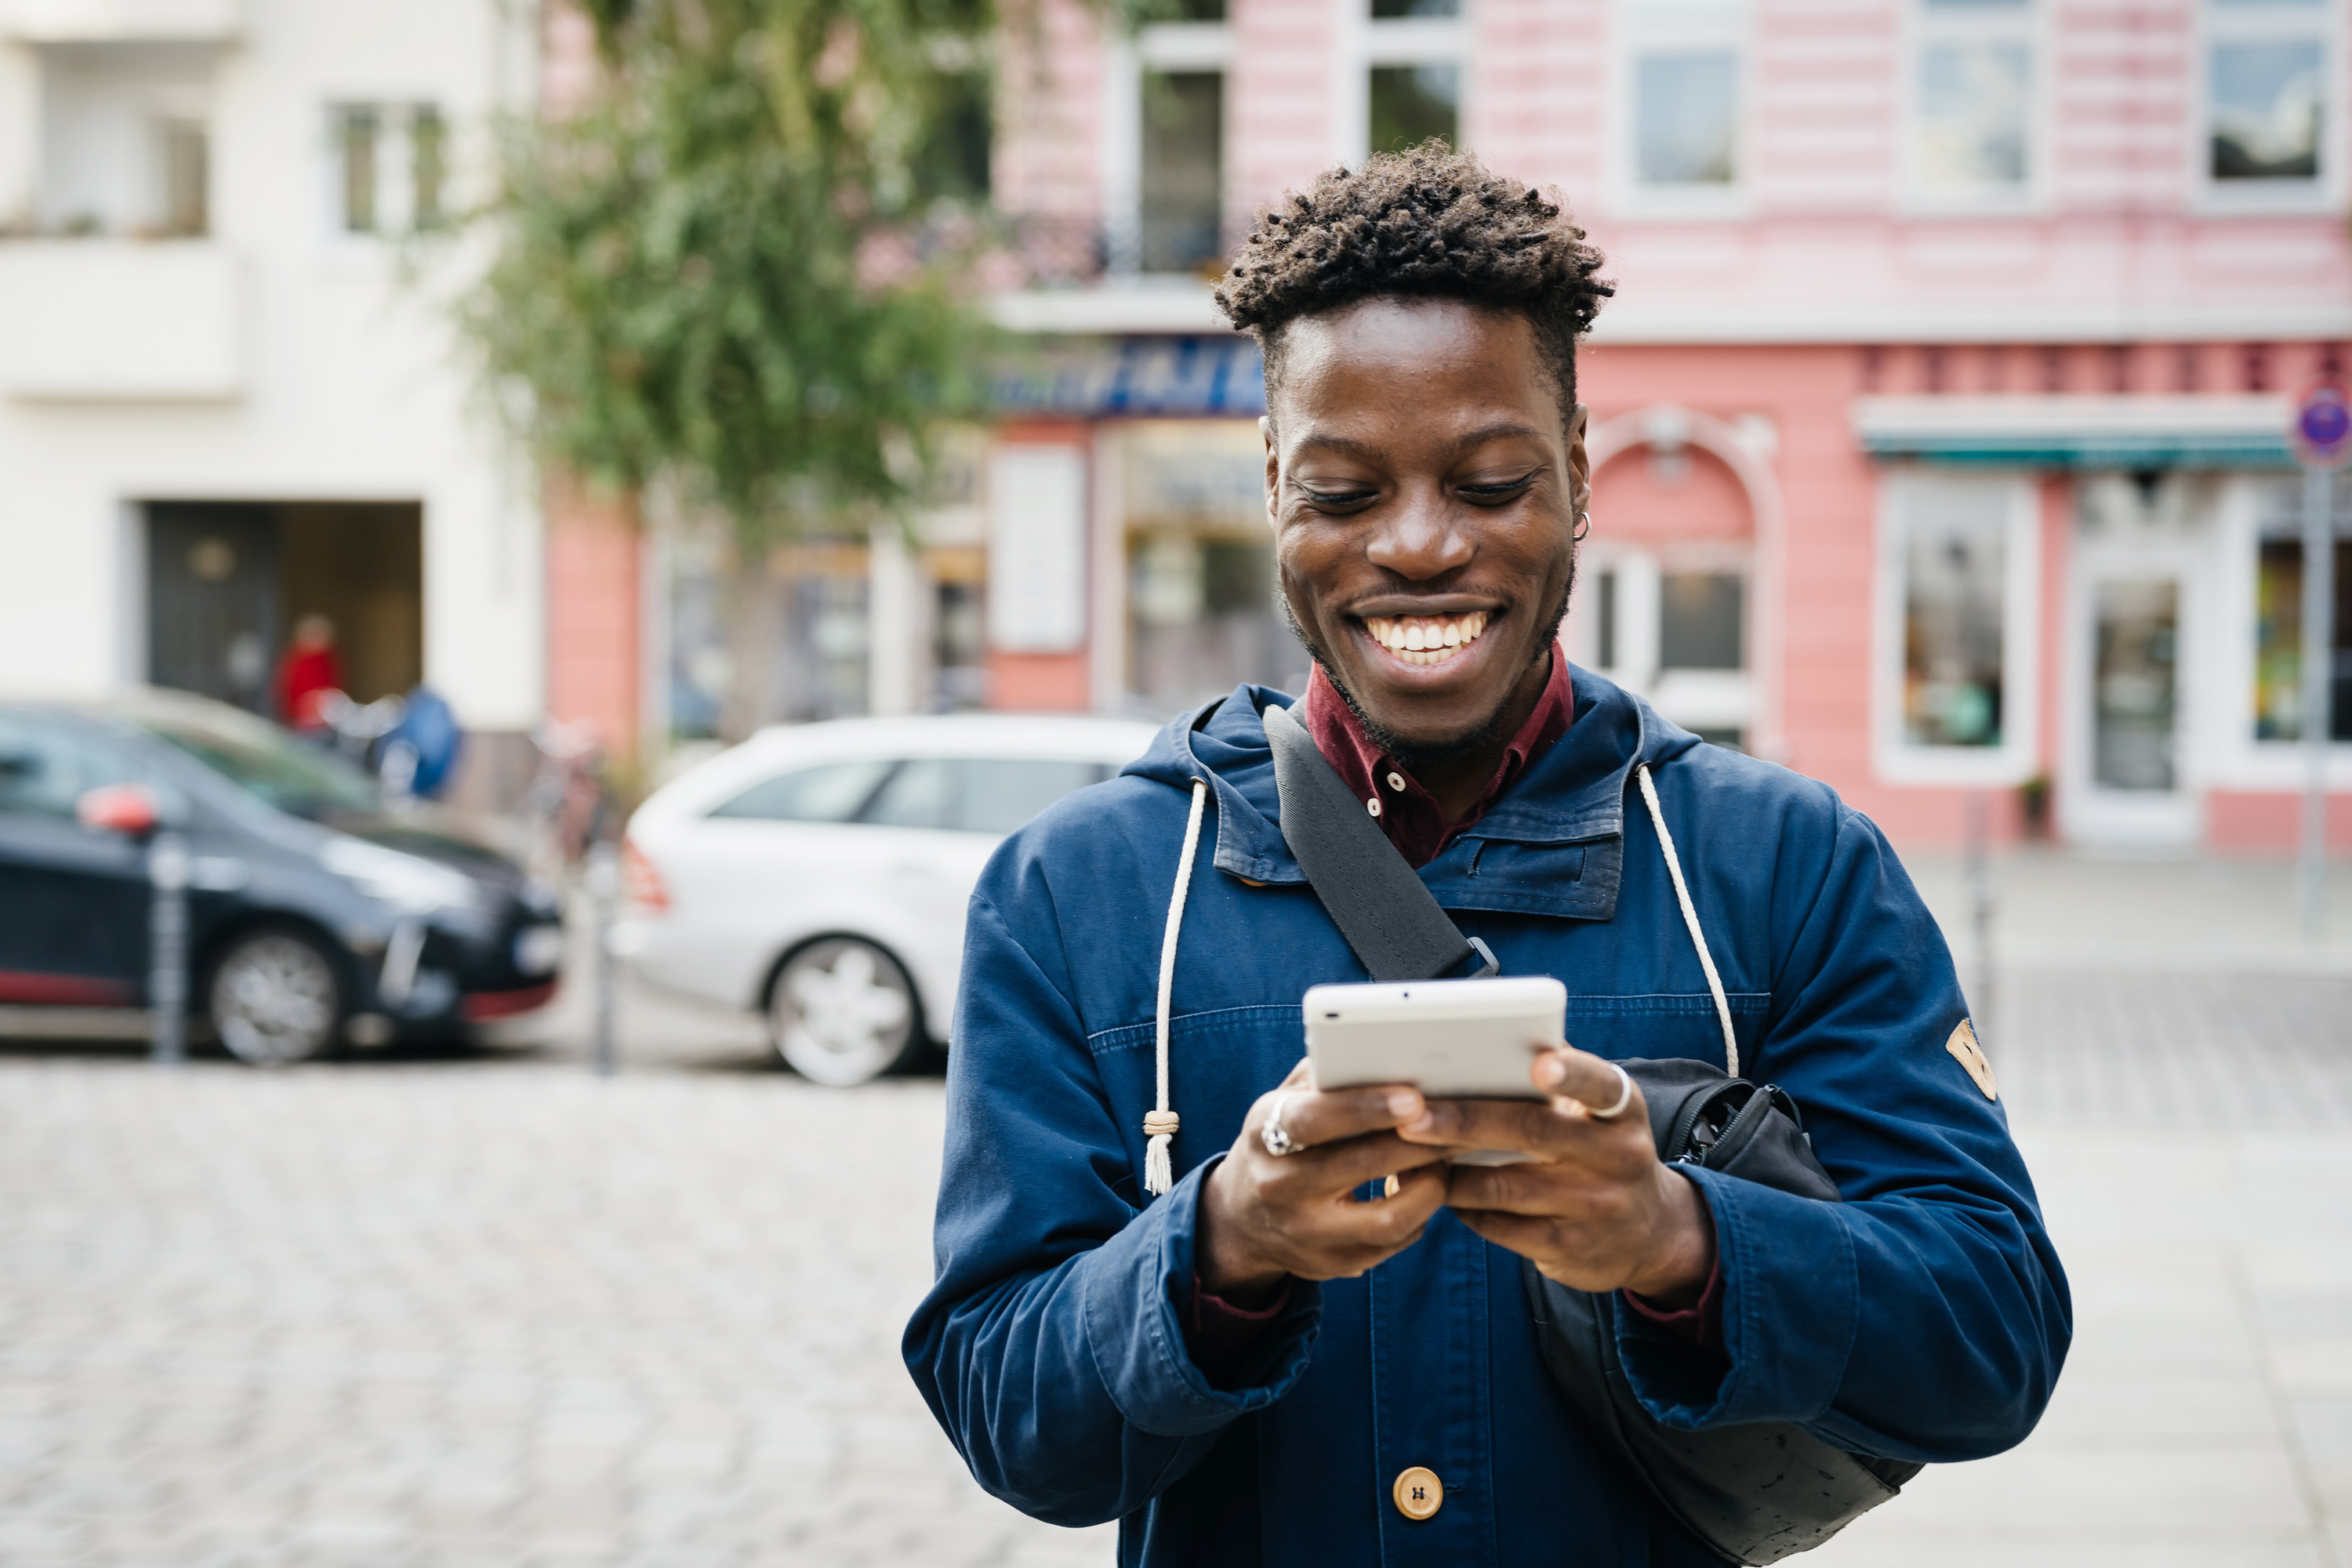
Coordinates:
[1565,816]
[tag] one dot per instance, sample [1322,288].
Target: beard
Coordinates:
[1411,754]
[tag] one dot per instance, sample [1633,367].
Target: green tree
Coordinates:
[726,271]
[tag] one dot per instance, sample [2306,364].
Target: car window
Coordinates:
[976,794]
[921,794]
[830,791]
[45,768]
[1000,793]
[269,764]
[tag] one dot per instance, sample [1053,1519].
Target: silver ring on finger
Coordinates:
[1273,1134]
[1624,1097]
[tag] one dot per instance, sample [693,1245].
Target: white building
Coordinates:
[228,390]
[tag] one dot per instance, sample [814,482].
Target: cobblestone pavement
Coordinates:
[489,1310]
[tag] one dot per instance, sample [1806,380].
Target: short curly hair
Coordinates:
[1428,222]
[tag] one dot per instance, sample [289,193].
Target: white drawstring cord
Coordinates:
[1690,918]
[1160,1125]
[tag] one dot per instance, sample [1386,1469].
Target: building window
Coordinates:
[2278,643]
[953,163]
[1414,51]
[186,164]
[1973,109]
[1183,170]
[391,168]
[1685,117]
[1956,633]
[1410,104]
[2266,93]
[1684,68]
[1701,620]
[1954,668]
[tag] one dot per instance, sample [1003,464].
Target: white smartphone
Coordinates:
[1452,1039]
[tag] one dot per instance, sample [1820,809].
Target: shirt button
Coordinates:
[1372,804]
[1396,783]
[1418,1491]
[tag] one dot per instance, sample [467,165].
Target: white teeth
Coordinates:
[1430,639]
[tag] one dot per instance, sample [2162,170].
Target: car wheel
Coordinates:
[275,998]
[842,1011]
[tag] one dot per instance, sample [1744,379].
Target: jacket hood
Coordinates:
[1574,792]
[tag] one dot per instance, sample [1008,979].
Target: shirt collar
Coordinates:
[1406,812]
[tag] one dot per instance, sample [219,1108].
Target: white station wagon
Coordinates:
[818,873]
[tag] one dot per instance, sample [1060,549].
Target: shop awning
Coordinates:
[2040,432]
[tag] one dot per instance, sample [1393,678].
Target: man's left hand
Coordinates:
[1596,1209]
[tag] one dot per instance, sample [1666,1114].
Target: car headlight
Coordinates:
[538,949]
[409,883]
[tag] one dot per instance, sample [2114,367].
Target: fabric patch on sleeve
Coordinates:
[1970,1054]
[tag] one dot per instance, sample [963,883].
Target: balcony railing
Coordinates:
[102,320]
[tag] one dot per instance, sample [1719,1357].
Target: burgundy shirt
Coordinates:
[1407,813]
[1218,1335]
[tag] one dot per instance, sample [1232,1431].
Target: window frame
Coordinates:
[1365,41]
[1686,26]
[1926,25]
[2240,760]
[394,169]
[1897,758]
[1155,49]
[2279,21]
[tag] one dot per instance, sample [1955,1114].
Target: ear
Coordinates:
[1580,462]
[1273,471]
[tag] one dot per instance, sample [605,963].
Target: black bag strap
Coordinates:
[1387,913]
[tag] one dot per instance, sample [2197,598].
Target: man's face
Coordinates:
[1424,489]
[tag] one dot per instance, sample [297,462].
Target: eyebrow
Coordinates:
[1348,446]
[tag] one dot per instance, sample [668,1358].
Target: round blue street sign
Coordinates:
[2322,428]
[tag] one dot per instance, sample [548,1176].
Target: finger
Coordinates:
[1314,1117]
[1384,1227]
[1536,1127]
[1560,1192]
[1333,1168]
[1592,1081]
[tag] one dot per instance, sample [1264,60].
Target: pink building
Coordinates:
[1938,416]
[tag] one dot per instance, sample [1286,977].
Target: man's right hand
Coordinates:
[1264,1216]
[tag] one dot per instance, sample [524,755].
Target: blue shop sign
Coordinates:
[1220,376]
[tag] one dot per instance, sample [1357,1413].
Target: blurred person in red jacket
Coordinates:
[309,671]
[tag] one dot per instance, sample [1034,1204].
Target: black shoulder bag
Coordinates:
[1752,1494]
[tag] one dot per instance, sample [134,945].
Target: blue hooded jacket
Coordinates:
[1925,1318]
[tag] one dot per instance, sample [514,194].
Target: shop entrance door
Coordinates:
[2131,633]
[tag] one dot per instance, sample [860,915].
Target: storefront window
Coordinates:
[2278,643]
[1955,565]
[1202,615]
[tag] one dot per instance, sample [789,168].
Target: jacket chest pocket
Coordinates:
[1669,1025]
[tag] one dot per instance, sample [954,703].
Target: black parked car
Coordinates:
[315,916]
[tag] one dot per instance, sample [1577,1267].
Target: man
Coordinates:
[1240,1371]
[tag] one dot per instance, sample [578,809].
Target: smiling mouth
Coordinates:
[1427,639]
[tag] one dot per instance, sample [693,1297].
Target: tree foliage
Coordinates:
[700,274]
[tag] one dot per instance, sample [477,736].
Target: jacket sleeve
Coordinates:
[1927,1317]
[1049,1347]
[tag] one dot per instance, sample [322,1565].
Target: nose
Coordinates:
[1418,540]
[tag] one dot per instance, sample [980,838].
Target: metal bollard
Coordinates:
[604,893]
[167,942]
[2318,659]
[1978,861]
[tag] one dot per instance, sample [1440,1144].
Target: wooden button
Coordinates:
[1418,1492]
